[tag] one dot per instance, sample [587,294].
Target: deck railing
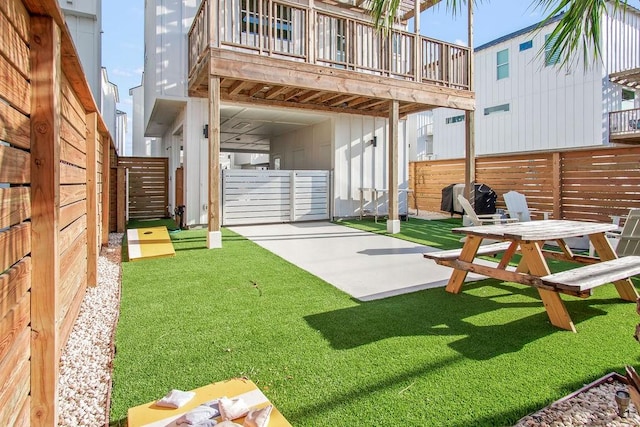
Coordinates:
[297,33]
[625,122]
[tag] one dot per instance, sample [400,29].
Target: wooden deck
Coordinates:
[288,55]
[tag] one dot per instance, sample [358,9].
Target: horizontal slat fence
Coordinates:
[148,191]
[586,184]
[51,178]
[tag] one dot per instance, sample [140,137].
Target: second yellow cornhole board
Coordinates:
[152,242]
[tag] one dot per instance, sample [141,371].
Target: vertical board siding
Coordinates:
[148,186]
[586,185]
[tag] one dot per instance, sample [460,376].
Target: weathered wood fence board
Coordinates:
[588,184]
[54,155]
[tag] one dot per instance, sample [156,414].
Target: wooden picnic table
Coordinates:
[528,238]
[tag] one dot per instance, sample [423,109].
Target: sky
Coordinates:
[123,29]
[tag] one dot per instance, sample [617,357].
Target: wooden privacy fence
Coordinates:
[54,163]
[586,184]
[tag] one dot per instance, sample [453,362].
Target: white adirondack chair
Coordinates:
[627,240]
[481,219]
[517,206]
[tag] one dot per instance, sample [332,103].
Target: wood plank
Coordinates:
[74,257]
[106,190]
[13,47]
[69,134]
[70,233]
[13,324]
[67,324]
[70,154]
[15,354]
[14,127]
[15,244]
[70,174]
[18,15]
[23,418]
[15,205]
[45,183]
[73,102]
[491,249]
[72,193]
[591,276]
[71,116]
[14,285]
[14,393]
[14,88]
[213,204]
[14,165]
[72,212]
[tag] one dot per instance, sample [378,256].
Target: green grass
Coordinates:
[485,357]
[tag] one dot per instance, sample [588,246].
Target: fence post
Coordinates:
[92,199]
[106,188]
[557,185]
[121,191]
[45,204]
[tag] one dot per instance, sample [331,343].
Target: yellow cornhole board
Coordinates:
[152,415]
[152,242]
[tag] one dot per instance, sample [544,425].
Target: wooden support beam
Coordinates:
[93,246]
[469,140]
[214,160]
[309,96]
[344,99]
[252,92]
[45,197]
[275,92]
[236,87]
[556,186]
[394,122]
[295,93]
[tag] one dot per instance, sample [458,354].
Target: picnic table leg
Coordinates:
[508,254]
[471,245]
[556,310]
[625,287]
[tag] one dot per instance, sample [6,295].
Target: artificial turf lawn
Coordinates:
[485,357]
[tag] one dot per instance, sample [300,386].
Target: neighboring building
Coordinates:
[307,86]
[140,145]
[84,19]
[526,102]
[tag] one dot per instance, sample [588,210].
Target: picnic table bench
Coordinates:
[528,238]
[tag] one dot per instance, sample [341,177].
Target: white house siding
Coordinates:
[84,19]
[621,47]
[307,148]
[166,46]
[358,163]
[549,107]
[138,141]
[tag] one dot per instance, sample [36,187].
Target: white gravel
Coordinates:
[84,385]
[595,406]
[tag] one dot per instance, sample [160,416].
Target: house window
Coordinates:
[454,119]
[526,45]
[496,109]
[503,64]
[549,57]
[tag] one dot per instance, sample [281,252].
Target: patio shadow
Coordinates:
[504,314]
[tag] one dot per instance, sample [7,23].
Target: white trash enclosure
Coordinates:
[261,197]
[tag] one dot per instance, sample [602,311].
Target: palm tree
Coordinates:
[579,27]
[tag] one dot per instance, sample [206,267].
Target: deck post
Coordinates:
[469,119]
[46,95]
[393,223]
[214,235]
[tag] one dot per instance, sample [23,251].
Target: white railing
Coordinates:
[624,122]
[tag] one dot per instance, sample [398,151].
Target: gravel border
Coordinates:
[86,363]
